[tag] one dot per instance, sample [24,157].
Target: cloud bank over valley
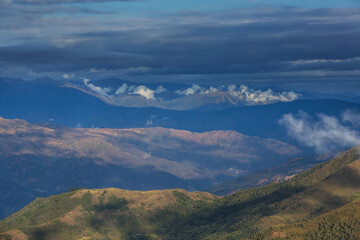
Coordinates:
[236,94]
[324,133]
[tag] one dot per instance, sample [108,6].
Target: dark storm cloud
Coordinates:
[246,41]
[61,1]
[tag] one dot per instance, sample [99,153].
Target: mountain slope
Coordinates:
[182,153]
[279,173]
[42,160]
[253,213]
[101,214]
[341,223]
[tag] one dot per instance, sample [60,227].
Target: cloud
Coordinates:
[189,91]
[160,89]
[255,97]
[325,133]
[243,94]
[231,88]
[101,91]
[67,76]
[122,89]
[270,43]
[144,91]
[125,89]
[240,95]
[351,116]
[210,90]
[62,1]
[140,90]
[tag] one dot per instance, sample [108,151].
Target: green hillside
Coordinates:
[176,214]
[342,223]
[102,214]
[280,173]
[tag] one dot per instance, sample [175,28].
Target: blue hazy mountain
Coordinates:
[51,101]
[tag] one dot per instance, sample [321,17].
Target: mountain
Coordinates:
[101,214]
[326,195]
[46,159]
[341,223]
[51,101]
[356,99]
[279,173]
[181,96]
[174,96]
[343,96]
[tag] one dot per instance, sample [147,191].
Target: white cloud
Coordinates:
[326,133]
[255,97]
[67,76]
[351,116]
[139,90]
[101,91]
[189,91]
[231,88]
[244,94]
[160,89]
[312,61]
[94,70]
[210,90]
[144,91]
[122,89]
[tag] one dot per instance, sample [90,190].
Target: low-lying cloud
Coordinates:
[189,91]
[351,116]
[254,97]
[144,91]
[240,94]
[101,91]
[160,89]
[243,94]
[140,90]
[324,133]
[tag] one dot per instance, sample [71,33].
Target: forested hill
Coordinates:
[177,214]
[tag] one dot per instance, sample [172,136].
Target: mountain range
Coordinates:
[56,102]
[320,203]
[176,96]
[279,173]
[41,160]
[93,137]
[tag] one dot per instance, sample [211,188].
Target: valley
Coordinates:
[328,189]
[42,160]
[179,120]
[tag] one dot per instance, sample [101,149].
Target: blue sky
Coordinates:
[292,44]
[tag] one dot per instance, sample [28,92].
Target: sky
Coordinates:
[297,45]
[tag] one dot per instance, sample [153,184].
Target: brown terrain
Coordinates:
[42,160]
[184,154]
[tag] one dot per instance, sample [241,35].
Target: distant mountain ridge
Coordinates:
[174,96]
[46,101]
[320,203]
[40,160]
[279,173]
[179,96]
